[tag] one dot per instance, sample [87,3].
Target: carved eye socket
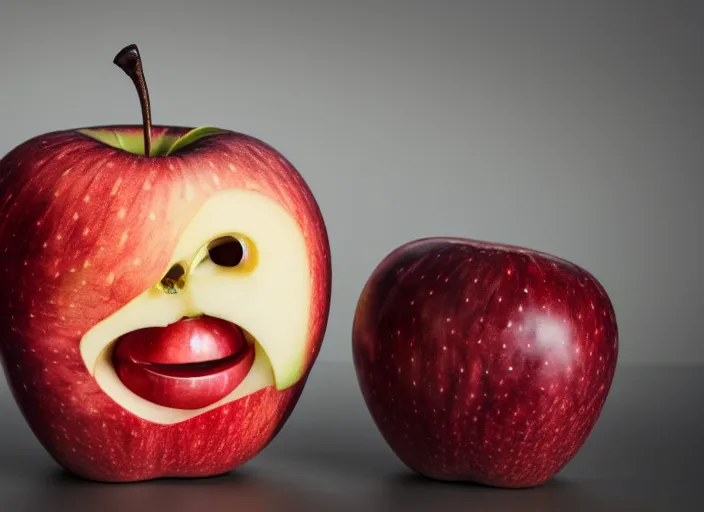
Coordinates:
[226,251]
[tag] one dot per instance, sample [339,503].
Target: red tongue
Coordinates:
[189,364]
[190,340]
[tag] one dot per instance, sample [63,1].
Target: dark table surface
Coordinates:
[644,454]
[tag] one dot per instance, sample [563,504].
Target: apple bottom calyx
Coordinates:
[188,364]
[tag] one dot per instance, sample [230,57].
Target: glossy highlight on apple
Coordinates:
[168,289]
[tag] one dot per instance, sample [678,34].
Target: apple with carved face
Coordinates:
[166,292]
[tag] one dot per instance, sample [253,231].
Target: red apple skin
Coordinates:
[190,340]
[483,362]
[85,228]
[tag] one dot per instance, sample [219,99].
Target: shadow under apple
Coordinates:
[409,491]
[239,490]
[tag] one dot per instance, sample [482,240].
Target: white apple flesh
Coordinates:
[244,295]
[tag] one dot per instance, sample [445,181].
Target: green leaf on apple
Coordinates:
[191,137]
[133,142]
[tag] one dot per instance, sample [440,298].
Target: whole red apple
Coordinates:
[483,362]
[166,291]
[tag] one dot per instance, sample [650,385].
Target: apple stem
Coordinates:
[129,60]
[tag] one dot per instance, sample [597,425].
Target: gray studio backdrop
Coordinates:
[574,129]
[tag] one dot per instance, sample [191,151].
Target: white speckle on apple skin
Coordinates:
[111,278]
[152,216]
[121,213]
[123,239]
[116,186]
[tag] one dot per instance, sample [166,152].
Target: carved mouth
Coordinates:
[189,364]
